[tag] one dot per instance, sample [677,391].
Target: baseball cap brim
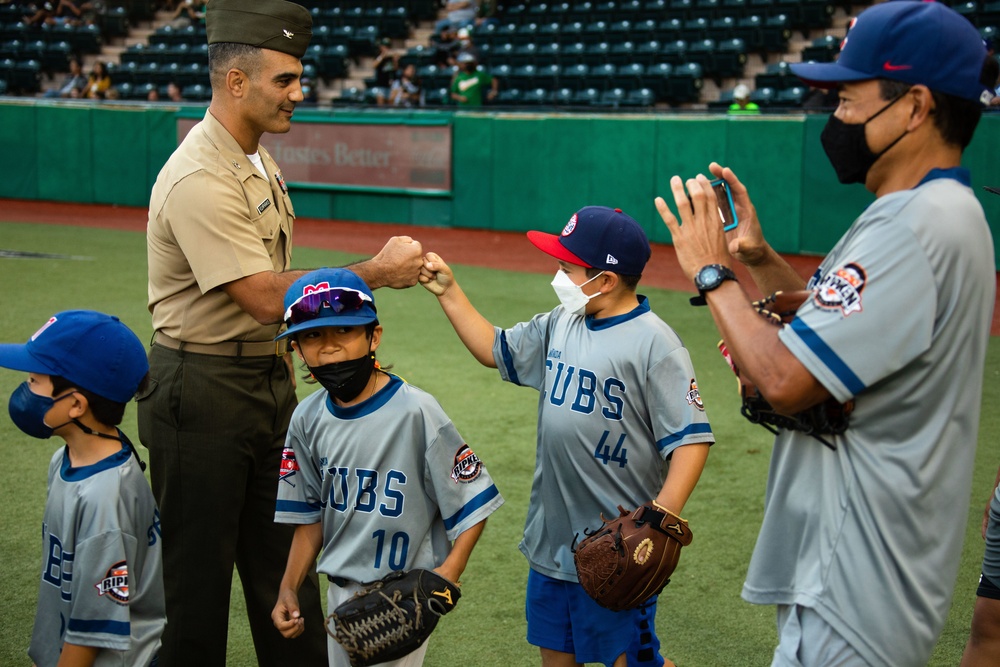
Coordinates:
[16,356]
[551,245]
[331,321]
[826,75]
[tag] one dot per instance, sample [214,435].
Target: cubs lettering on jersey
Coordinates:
[586,389]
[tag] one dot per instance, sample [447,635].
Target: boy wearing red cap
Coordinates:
[620,422]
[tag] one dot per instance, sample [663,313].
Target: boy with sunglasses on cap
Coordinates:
[618,407]
[100,601]
[374,475]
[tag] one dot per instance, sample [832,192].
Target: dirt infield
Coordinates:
[492,249]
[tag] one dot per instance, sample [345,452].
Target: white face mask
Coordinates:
[571,295]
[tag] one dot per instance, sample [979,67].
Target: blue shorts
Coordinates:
[562,617]
[990,578]
[644,651]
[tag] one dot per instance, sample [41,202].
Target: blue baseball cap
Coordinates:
[94,351]
[598,237]
[913,42]
[327,298]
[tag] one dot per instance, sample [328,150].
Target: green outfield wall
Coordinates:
[508,171]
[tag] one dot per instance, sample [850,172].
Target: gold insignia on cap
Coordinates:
[288,35]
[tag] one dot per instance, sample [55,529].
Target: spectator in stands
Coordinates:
[465,44]
[742,106]
[469,82]
[39,15]
[74,84]
[98,82]
[174,93]
[194,9]
[310,95]
[153,95]
[487,13]
[446,45]
[461,14]
[406,91]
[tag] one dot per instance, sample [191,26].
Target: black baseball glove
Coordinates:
[827,418]
[392,617]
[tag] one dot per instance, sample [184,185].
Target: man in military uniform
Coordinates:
[219,246]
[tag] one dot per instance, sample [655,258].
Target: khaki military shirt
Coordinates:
[213,219]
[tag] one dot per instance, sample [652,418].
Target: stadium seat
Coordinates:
[674,52]
[535,96]
[562,96]
[791,97]
[685,83]
[548,54]
[586,97]
[575,76]
[612,97]
[776,75]
[640,97]
[822,49]
[350,96]
[437,96]
[509,96]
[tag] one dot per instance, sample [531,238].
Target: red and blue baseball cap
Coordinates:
[94,351]
[913,42]
[598,237]
[327,298]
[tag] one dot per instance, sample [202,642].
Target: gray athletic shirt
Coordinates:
[870,535]
[390,478]
[102,577]
[618,396]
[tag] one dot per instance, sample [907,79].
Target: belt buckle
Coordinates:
[281,347]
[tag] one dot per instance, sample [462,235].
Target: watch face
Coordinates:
[709,277]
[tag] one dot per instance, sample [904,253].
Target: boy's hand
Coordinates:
[285,615]
[435,275]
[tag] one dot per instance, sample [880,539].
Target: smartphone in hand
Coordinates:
[727,211]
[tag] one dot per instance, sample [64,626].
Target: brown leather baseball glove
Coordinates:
[631,557]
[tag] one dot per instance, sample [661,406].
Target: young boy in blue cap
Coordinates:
[374,475]
[618,406]
[100,601]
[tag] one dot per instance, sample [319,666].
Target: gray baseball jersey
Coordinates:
[102,579]
[870,535]
[390,478]
[618,395]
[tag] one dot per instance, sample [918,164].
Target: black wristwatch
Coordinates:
[709,278]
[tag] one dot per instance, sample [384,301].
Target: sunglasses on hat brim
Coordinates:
[339,299]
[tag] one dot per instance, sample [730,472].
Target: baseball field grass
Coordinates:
[702,621]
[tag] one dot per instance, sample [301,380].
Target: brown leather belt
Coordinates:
[227,348]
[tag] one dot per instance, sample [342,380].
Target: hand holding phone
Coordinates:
[727,210]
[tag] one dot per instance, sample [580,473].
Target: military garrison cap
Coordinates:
[269,24]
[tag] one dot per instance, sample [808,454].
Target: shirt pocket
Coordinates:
[267,224]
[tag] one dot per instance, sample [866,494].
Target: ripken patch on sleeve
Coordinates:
[467,466]
[115,583]
[841,290]
[694,396]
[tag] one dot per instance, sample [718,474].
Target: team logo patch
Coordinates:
[842,290]
[694,396]
[570,226]
[289,466]
[115,583]
[52,320]
[467,465]
[318,287]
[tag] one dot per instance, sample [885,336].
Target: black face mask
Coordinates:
[344,380]
[847,148]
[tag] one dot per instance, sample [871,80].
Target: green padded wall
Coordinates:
[509,171]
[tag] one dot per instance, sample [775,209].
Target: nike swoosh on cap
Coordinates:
[889,67]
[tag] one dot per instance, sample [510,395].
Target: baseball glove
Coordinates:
[631,557]
[827,418]
[392,617]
